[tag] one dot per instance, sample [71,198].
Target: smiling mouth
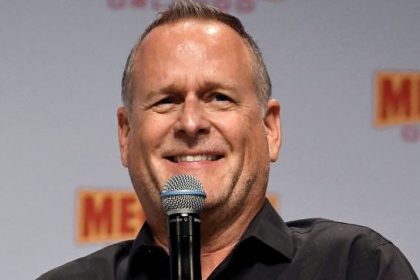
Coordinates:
[194,158]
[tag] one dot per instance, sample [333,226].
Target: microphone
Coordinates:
[183,199]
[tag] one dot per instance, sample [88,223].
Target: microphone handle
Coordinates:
[185,246]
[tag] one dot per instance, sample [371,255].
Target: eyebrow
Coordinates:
[204,87]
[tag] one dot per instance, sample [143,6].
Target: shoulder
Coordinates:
[322,227]
[98,265]
[364,252]
[333,235]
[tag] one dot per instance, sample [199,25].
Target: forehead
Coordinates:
[191,26]
[196,48]
[194,37]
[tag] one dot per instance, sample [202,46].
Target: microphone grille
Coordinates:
[182,193]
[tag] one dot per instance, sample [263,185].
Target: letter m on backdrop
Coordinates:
[107,216]
[397,98]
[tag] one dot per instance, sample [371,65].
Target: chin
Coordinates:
[212,203]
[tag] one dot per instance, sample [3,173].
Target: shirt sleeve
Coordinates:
[393,264]
[371,260]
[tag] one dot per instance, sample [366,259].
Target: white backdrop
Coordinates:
[60,68]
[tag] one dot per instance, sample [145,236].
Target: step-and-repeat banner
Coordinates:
[347,74]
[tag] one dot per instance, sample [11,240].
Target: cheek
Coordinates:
[255,140]
[242,129]
[150,128]
[142,135]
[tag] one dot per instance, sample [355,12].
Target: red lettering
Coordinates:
[158,6]
[418,98]
[128,214]
[116,4]
[397,98]
[241,6]
[223,5]
[138,3]
[395,102]
[97,216]
[245,6]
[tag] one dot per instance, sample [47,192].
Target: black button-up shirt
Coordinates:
[269,249]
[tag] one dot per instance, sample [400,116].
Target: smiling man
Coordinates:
[194,108]
[197,100]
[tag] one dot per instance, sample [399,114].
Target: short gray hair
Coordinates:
[190,9]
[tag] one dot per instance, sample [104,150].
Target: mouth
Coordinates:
[193,158]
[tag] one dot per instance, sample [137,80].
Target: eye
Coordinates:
[166,100]
[220,97]
[166,103]
[221,101]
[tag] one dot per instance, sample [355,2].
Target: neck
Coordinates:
[219,234]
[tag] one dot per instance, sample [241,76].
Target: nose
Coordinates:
[192,120]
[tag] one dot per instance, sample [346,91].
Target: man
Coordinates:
[197,100]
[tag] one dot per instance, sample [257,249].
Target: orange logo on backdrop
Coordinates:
[112,215]
[104,215]
[397,98]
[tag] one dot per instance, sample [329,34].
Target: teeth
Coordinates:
[194,158]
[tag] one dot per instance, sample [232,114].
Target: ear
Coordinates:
[273,128]
[123,133]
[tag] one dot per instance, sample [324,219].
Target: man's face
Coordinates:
[195,111]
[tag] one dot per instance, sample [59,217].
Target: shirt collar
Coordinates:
[143,240]
[267,227]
